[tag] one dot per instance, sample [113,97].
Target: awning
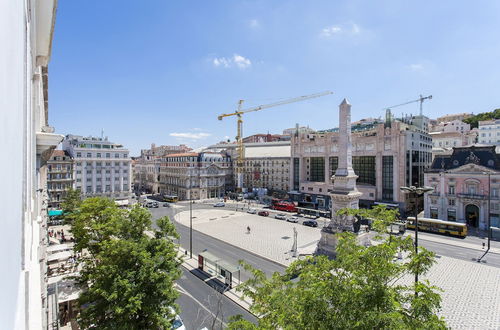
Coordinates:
[209,257]
[67,291]
[59,256]
[58,247]
[53,213]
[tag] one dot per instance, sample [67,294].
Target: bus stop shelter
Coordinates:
[218,267]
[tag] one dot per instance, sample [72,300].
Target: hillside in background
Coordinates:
[473,121]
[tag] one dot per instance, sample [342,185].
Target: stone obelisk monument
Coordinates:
[344,193]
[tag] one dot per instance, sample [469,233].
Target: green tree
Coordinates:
[71,203]
[363,288]
[128,269]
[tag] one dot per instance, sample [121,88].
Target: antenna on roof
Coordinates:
[102,133]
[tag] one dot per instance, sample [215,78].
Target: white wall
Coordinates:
[12,103]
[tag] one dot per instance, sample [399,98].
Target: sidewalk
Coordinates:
[444,240]
[233,294]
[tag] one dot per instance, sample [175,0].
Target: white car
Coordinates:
[280,216]
[177,323]
[219,204]
[292,219]
[252,211]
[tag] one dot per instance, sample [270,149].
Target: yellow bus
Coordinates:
[438,226]
[171,198]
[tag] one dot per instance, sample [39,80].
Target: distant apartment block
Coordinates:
[59,177]
[489,132]
[260,138]
[146,173]
[102,168]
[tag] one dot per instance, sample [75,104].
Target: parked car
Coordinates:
[252,211]
[280,216]
[219,204]
[156,205]
[263,213]
[292,219]
[166,205]
[310,223]
[177,323]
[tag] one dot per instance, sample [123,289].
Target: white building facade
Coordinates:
[101,167]
[489,132]
[26,29]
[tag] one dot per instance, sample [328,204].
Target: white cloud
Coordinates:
[192,136]
[238,61]
[416,67]
[254,24]
[342,29]
[330,31]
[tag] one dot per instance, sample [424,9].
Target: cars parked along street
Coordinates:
[292,219]
[280,216]
[263,213]
[219,204]
[252,211]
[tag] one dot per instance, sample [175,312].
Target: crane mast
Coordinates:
[239,134]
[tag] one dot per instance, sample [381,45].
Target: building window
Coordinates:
[117,155]
[452,215]
[387,178]
[434,213]
[89,171]
[98,155]
[451,190]
[108,155]
[364,167]
[89,188]
[451,202]
[317,169]
[334,164]
[89,155]
[78,172]
[89,179]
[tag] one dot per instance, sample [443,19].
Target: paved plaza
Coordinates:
[471,297]
[269,237]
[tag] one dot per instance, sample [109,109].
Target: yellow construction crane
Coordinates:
[239,135]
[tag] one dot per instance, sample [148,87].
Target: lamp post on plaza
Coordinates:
[417,191]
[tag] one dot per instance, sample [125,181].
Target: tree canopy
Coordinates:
[71,203]
[127,276]
[365,287]
[474,120]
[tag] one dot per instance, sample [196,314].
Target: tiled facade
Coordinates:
[466,187]
[59,177]
[195,175]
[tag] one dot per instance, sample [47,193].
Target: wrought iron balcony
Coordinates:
[472,196]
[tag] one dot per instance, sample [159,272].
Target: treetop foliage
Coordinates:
[474,120]
[127,277]
[365,287]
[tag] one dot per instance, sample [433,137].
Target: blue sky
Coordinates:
[161,71]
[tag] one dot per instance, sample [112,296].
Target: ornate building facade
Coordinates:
[195,175]
[385,156]
[466,186]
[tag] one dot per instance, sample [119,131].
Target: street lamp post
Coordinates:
[417,191]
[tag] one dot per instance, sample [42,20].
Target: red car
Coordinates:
[263,213]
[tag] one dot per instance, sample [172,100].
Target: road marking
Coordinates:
[182,290]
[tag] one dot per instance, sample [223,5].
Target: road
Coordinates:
[202,306]
[198,300]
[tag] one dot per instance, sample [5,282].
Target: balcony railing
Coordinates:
[472,196]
